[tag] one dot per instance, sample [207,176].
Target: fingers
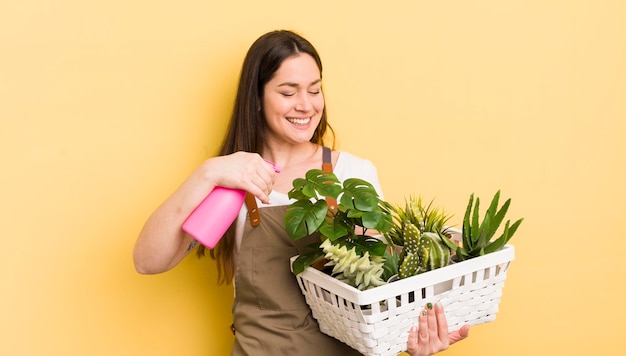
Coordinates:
[247,171]
[418,343]
[445,337]
[442,324]
[460,334]
[261,184]
[266,173]
[433,323]
[431,334]
[423,331]
[413,342]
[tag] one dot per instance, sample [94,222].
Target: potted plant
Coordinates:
[355,257]
[418,234]
[478,236]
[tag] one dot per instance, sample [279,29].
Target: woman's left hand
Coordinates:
[431,335]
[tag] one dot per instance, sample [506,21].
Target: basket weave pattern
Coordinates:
[377,321]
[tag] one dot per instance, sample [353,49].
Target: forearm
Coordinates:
[162,243]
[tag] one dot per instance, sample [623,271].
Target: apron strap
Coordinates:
[253,210]
[327,166]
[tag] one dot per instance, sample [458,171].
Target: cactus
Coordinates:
[439,252]
[362,272]
[419,229]
[409,266]
[425,218]
[422,252]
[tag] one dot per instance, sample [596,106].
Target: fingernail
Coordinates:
[430,306]
[276,168]
[424,313]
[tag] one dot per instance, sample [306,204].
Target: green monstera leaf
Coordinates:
[334,228]
[359,194]
[304,217]
[316,183]
[359,208]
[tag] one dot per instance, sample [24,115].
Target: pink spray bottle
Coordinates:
[212,217]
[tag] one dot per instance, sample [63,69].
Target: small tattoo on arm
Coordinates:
[192,244]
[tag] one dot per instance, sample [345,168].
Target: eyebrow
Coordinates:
[291,84]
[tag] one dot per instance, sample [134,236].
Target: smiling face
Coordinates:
[293,101]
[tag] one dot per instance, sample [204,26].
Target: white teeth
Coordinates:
[299,121]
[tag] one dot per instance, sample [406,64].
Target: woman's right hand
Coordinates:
[242,170]
[162,243]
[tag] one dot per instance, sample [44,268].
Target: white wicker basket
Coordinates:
[377,321]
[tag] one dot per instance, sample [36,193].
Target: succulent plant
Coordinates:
[425,218]
[477,238]
[362,272]
[422,252]
[419,230]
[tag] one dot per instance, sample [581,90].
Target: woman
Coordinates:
[279,116]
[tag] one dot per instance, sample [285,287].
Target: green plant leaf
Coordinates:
[326,183]
[484,233]
[304,217]
[354,214]
[448,242]
[493,206]
[386,224]
[475,225]
[296,193]
[498,216]
[375,220]
[504,238]
[316,183]
[467,225]
[390,267]
[359,194]
[306,259]
[500,241]
[374,246]
[335,228]
[461,254]
[479,239]
[513,229]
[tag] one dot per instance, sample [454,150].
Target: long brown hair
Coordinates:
[247,127]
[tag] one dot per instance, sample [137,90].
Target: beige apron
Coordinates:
[271,317]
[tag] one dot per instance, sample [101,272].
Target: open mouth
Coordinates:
[297,121]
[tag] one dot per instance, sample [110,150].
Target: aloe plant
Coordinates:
[359,208]
[478,237]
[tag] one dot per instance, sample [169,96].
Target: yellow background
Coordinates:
[106,106]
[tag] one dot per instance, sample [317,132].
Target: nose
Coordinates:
[303,102]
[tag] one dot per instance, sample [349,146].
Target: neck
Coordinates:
[290,155]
